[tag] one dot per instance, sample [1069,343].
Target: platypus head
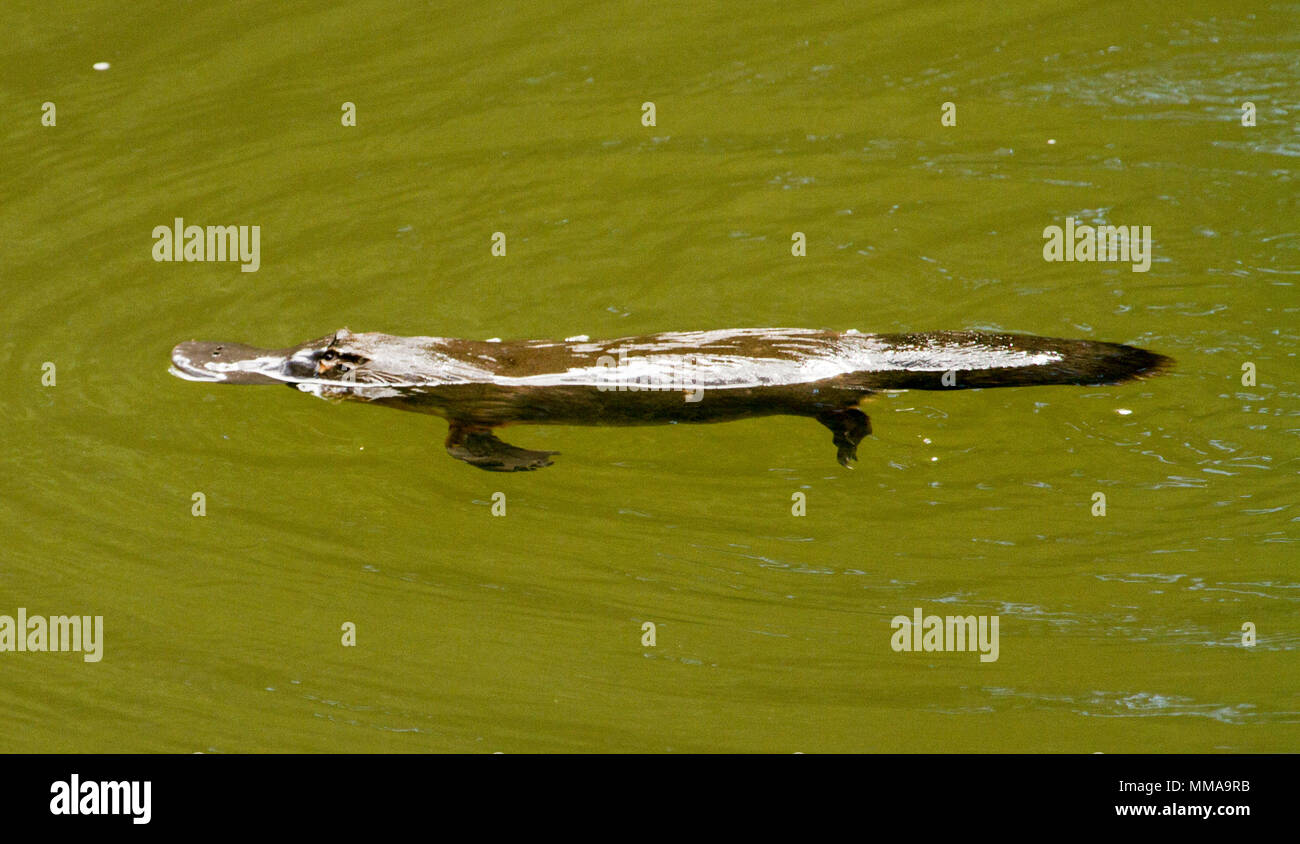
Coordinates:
[314,367]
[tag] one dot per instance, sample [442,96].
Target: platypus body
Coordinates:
[697,376]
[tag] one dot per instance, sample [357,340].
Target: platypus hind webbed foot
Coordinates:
[848,427]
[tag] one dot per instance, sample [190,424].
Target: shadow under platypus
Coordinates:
[696,376]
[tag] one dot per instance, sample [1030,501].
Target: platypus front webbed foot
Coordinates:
[848,426]
[477,446]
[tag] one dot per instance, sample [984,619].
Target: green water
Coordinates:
[1120,632]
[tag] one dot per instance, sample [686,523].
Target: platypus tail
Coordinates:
[956,360]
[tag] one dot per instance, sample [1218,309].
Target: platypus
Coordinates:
[692,376]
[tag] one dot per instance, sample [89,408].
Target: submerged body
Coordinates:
[700,376]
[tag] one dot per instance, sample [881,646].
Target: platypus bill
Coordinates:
[698,376]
